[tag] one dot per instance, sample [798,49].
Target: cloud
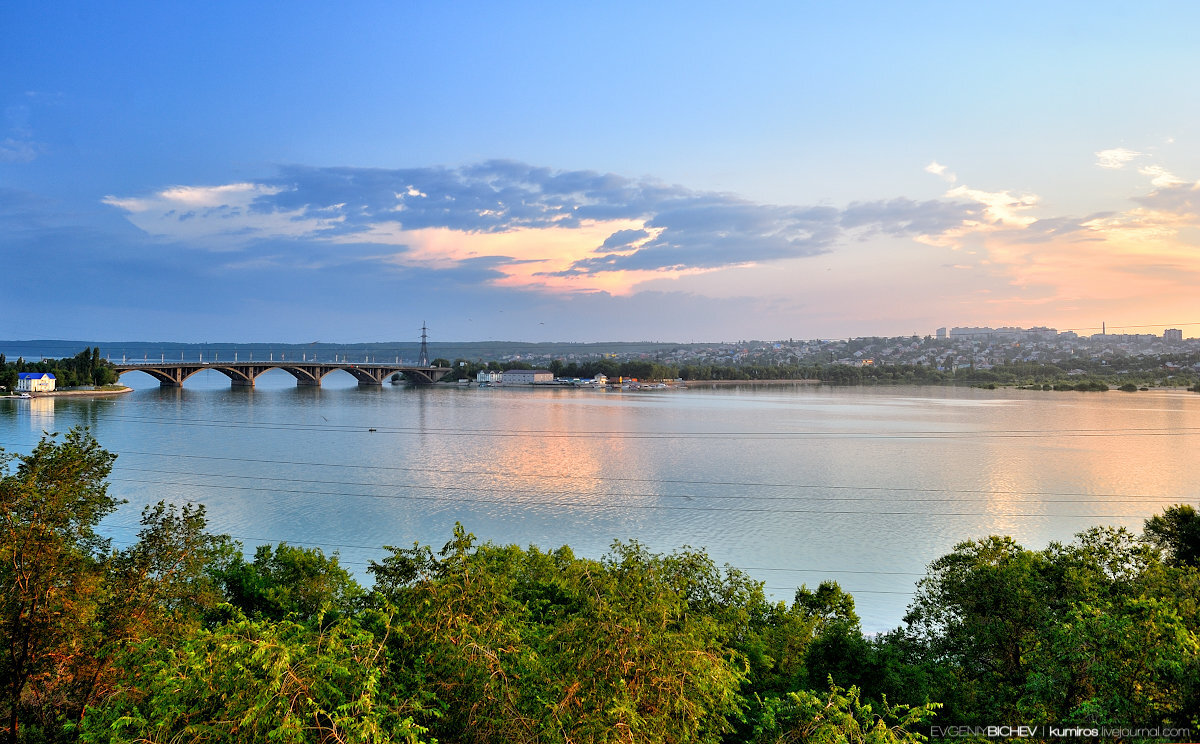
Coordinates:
[1048,229]
[538,258]
[17,144]
[223,217]
[905,217]
[1176,198]
[573,226]
[510,227]
[711,231]
[940,171]
[15,150]
[1115,158]
[623,239]
[1160,177]
[999,207]
[970,212]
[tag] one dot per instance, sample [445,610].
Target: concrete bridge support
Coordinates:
[240,375]
[370,375]
[170,376]
[307,375]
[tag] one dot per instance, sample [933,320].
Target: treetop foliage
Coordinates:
[85,368]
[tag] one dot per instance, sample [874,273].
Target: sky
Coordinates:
[538,171]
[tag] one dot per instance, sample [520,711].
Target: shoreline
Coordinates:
[72,394]
[728,383]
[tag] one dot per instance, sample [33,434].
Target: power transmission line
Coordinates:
[1047,496]
[589,505]
[1083,498]
[378,429]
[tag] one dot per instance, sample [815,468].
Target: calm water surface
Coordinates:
[792,484]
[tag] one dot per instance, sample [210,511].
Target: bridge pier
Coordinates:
[369,375]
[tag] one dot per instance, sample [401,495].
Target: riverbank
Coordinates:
[100,393]
[744,383]
[1057,387]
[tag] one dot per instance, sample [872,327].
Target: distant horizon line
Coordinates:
[1102,329]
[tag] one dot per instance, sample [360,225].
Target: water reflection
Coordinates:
[41,414]
[796,485]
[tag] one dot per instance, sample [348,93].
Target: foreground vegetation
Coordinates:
[180,637]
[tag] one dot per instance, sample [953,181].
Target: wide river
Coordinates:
[793,484]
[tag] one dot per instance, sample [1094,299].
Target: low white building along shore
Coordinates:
[491,378]
[488,377]
[526,377]
[35,382]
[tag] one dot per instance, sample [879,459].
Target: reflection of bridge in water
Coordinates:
[243,374]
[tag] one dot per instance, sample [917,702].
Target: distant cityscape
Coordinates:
[947,349]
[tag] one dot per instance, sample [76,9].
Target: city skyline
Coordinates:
[593,174]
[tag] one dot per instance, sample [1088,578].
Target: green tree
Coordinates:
[1120,662]
[249,680]
[1177,533]
[838,649]
[70,604]
[978,612]
[167,570]
[1097,631]
[290,582]
[155,587]
[840,717]
[51,561]
[1115,648]
[522,645]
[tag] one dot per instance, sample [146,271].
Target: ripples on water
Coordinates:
[793,484]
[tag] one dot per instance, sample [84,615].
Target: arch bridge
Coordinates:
[243,374]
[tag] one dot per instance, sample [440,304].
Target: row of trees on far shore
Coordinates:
[84,369]
[1042,376]
[179,636]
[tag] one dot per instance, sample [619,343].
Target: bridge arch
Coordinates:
[239,375]
[167,376]
[305,374]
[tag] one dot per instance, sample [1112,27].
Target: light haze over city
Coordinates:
[616,171]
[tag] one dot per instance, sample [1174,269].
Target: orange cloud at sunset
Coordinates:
[528,258]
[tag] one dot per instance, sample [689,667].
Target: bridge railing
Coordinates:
[276,362]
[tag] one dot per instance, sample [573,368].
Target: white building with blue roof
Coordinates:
[35,382]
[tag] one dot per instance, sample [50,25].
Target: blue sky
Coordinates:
[538,171]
